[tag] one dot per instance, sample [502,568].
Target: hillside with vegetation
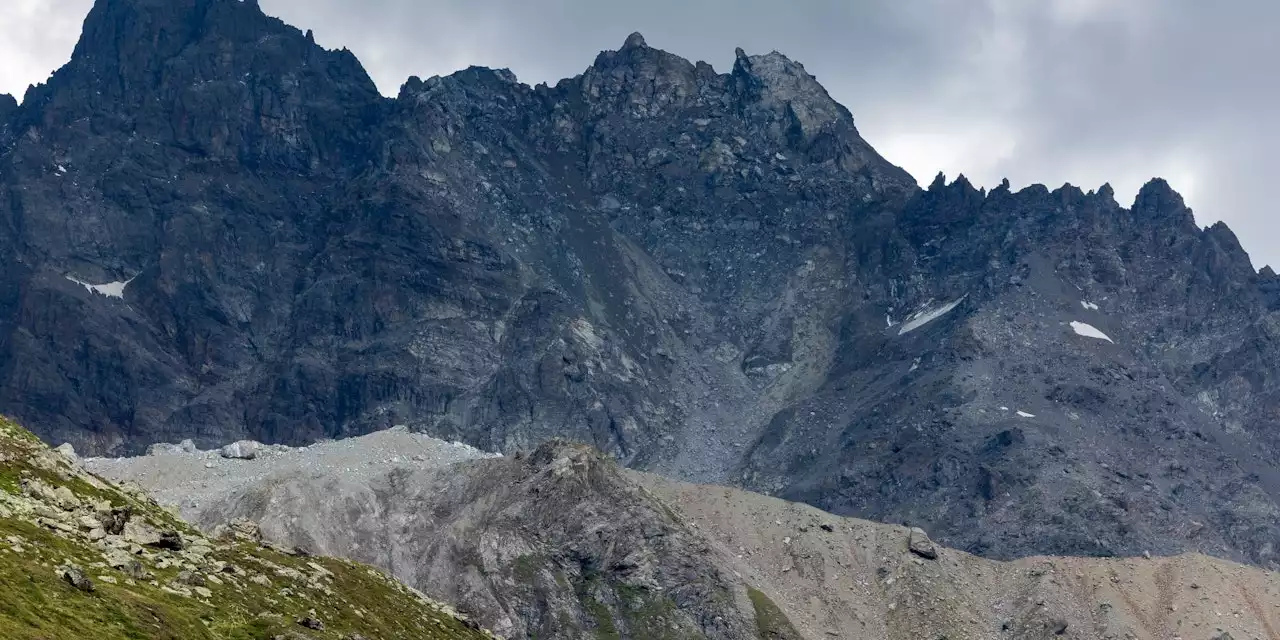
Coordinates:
[83,558]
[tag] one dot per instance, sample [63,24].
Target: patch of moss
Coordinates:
[526,567]
[649,615]
[771,622]
[605,629]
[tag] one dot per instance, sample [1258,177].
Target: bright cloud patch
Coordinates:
[1089,331]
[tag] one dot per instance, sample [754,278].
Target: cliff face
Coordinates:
[213,228]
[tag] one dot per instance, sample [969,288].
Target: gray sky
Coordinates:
[1051,91]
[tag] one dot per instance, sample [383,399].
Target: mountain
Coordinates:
[565,543]
[213,228]
[83,558]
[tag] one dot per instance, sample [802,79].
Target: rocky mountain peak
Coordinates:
[777,82]
[1157,199]
[8,104]
[183,51]
[1107,192]
[634,41]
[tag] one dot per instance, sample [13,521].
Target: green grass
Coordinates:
[771,622]
[527,566]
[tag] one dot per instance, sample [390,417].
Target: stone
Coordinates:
[311,622]
[117,558]
[188,446]
[919,543]
[241,450]
[69,452]
[140,533]
[245,530]
[135,570]
[170,540]
[115,519]
[76,577]
[66,499]
[191,578]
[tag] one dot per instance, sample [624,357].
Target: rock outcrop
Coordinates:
[212,228]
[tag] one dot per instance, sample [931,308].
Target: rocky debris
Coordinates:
[918,542]
[164,449]
[76,577]
[242,450]
[533,534]
[185,480]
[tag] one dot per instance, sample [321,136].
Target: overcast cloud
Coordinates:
[1051,91]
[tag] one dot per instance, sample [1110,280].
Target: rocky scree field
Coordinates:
[563,542]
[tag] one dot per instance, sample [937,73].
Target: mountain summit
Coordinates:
[213,228]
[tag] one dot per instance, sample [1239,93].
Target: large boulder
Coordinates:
[242,450]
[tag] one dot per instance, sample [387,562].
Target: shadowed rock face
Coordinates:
[708,275]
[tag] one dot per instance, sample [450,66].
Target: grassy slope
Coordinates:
[37,603]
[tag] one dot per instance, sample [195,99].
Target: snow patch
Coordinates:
[923,317]
[1089,331]
[1024,414]
[1004,408]
[1088,305]
[62,169]
[110,289]
[586,333]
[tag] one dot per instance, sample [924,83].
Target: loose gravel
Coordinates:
[186,479]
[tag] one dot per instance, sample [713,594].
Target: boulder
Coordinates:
[920,544]
[68,452]
[171,540]
[242,450]
[76,577]
[141,533]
